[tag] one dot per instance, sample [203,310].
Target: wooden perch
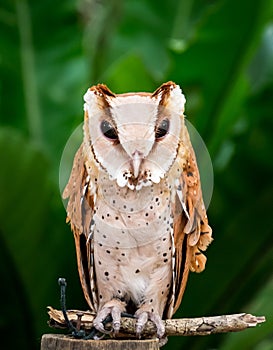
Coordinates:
[174,327]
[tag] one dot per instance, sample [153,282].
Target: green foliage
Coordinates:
[221,54]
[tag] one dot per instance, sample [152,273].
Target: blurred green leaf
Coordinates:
[23,209]
[217,60]
[14,298]
[121,82]
[260,338]
[29,231]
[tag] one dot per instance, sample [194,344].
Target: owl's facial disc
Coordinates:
[137,154]
[134,137]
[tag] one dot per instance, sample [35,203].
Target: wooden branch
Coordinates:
[174,327]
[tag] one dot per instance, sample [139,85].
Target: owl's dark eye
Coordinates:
[162,129]
[108,130]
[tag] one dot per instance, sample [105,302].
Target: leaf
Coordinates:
[116,78]
[260,338]
[15,314]
[23,202]
[217,61]
[32,235]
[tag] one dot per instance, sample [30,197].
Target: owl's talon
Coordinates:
[116,315]
[156,319]
[143,317]
[116,327]
[110,312]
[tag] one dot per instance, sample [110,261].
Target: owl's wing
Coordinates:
[79,213]
[192,234]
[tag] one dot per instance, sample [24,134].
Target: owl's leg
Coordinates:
[114,308]
[143,314]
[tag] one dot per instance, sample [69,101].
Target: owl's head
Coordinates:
[134,137]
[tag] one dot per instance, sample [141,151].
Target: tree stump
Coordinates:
[64,342]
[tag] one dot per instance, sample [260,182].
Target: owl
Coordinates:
[135,205]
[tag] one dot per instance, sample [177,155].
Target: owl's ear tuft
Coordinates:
[102,90]
[163,92]
[97,97]
[170,95]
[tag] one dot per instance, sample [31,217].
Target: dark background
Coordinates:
[221,54]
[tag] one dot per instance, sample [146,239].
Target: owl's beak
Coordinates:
[136,162]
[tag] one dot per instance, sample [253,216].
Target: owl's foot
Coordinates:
[143,317]
[113,308]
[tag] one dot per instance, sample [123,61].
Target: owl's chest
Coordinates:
[132,238]
[127,218]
